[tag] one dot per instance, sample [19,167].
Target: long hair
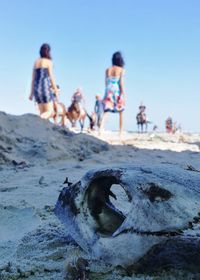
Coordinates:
[45,51]
[117,59]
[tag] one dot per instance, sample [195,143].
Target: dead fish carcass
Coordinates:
[120,214]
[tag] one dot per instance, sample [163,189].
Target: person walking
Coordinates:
[114,91]
[43,83]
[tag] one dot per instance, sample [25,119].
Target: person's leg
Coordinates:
[105,114]
[48,111]
[41,108]
[98,120]
[55,108]
[64,118]
[120,122]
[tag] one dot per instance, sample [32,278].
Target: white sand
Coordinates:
[35,159]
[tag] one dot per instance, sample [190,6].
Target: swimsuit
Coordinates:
[113,101]
[42,86]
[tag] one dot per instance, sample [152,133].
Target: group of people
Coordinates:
[45,91]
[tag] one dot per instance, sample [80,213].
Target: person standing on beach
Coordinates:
[169,125]
[114,92]
[98,110]
[43,84]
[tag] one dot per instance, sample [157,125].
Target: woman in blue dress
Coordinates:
[114,93]
[43,83]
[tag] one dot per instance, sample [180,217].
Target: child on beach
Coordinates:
[114,93]
[43,83]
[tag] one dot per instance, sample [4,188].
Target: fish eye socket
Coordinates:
[156,193]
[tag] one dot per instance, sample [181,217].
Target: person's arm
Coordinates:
[32,84]
[54,87]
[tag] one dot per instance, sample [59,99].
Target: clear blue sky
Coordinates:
[159,39]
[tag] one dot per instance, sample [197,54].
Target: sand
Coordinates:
[35,158]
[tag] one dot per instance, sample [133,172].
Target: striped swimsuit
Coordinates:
[42,86]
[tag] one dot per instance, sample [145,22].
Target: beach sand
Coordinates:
[35,158]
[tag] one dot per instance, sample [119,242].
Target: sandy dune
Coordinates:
[35,158]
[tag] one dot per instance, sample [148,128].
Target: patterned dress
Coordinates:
[113,102]
[42,86]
